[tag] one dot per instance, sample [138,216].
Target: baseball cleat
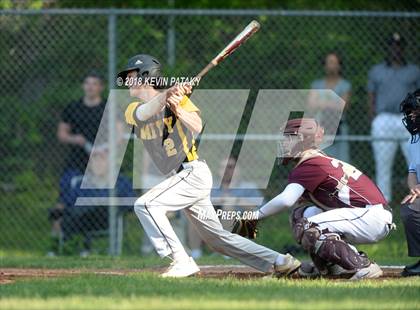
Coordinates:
[292,265]
[308,270]
[181,269]
[371,272]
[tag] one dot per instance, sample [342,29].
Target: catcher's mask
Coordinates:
[299,135]
[146,66]
[410,107]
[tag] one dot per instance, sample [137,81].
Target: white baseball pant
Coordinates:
[189,190]
[387,126]
[355,225]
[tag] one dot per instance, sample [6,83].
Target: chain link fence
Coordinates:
[46,54]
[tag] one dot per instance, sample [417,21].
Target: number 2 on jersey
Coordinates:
[169,145]
[348,169]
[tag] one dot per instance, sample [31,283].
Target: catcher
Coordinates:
[166,122]
[345,206]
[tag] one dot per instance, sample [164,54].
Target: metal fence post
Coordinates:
[170,38]
[114,247]
[170,41]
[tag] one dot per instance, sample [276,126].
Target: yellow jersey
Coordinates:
[168,141]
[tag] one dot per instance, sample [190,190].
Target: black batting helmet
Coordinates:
[145,65]
[410,107]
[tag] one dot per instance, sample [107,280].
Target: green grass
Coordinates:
[146,290]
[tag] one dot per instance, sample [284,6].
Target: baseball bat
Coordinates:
[245,34]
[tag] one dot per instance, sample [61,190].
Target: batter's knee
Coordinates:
[139,206]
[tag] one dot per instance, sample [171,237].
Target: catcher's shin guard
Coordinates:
[320,264]
[327,248]
[337,251]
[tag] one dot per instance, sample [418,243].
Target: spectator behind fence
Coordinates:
[388,84]
[86,220]
[80,122]
[333,80]
[229,197]
[77,128]
[410,209]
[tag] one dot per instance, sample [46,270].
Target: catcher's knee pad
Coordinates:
[336,251]
[296,215]
[298,222]
[310,238]
[298,228]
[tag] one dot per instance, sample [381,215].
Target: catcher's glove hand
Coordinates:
[245,228]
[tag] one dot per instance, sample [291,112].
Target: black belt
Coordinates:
[181,167]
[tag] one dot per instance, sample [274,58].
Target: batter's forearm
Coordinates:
[152,107]
[191,120]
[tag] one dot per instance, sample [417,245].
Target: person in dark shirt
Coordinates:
[80,122]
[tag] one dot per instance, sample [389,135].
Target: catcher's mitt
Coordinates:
[245,228]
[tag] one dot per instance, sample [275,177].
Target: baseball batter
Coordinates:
[345,206]
[166,121]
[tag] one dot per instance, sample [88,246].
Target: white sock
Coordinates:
[280,260]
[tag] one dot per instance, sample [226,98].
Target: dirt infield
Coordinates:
[9,275]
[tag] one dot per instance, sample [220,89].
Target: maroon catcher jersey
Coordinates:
[331,183]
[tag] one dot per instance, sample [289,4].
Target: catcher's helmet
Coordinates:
[410,107]
[299,135]
[145,65]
